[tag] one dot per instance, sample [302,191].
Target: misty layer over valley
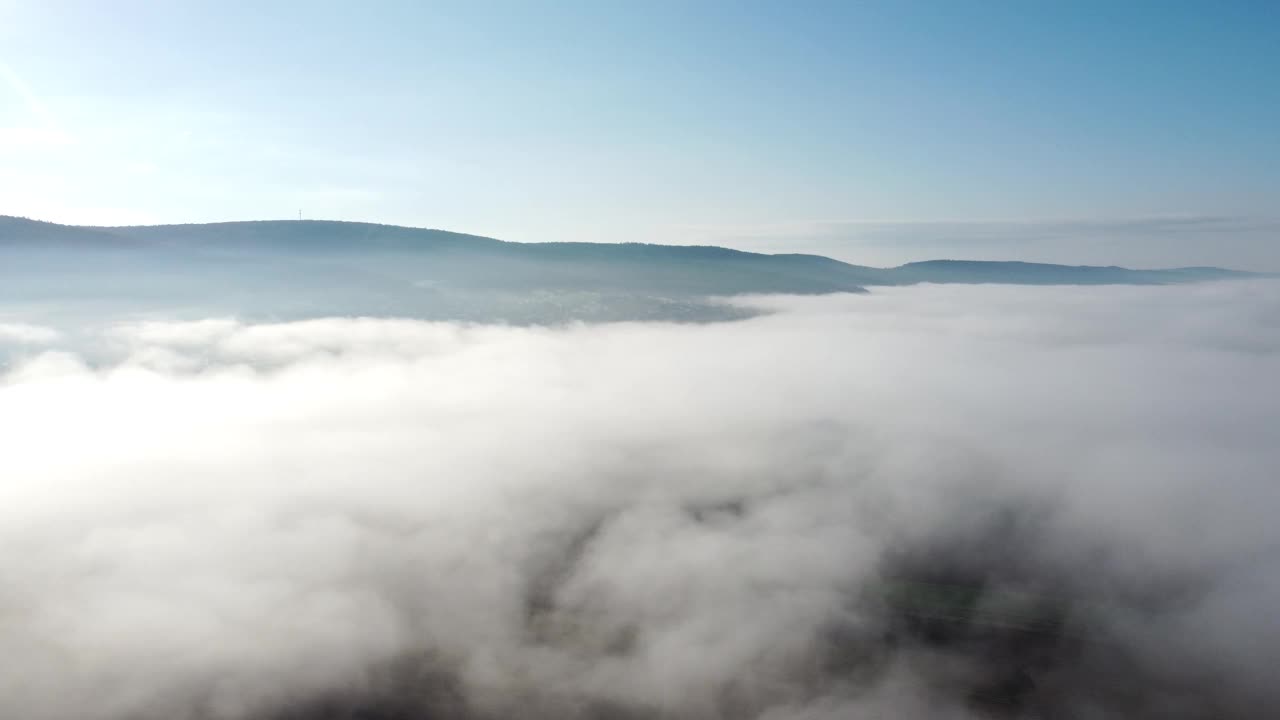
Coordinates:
[935,501]
[817,361]
[290,270]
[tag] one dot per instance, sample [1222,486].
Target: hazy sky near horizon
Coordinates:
[1140,133]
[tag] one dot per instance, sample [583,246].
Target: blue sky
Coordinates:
[870,130]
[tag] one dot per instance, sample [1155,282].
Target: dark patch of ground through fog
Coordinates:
[985,627]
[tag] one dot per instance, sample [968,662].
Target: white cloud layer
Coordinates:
[26,334]
[638,520]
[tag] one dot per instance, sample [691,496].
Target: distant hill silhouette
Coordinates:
[308,266]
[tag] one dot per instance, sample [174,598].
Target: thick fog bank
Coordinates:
[946,502]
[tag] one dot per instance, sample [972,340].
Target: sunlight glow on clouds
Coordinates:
[26,334]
